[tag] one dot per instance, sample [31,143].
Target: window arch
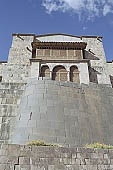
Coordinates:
[74,74]
[45,71]
[59,73]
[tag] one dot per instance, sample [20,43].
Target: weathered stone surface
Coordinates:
[52,158]
[10,96]
[65,114]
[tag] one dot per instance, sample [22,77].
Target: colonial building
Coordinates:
[60,57]
[56,88]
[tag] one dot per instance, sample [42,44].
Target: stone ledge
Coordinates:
[68,84]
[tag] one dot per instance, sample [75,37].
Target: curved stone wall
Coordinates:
[65,113]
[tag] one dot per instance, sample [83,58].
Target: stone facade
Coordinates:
[21,157]
[18,67]
[56,87]
[85,52]
[2,64]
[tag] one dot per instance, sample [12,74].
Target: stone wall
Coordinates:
[2,64]
[65,113]
[10,96]
[18,67]
[21,157]
[110,68]
[110,71]
[0,69]
[95,47]
[21,49]
[16,73]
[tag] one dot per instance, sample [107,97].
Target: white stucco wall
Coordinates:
[35,69]
[59,38]
[82,67]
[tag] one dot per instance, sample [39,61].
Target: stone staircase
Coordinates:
[10,96]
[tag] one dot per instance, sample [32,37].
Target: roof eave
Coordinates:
[81,45]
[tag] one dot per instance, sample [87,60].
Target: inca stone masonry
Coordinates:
[56,88]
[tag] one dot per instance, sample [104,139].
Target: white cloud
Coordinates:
[84,28]
[107,9]
[84,8]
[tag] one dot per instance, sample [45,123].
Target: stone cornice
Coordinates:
[110,61]
[45,35]
[83,36]
[14,34]
[3,62]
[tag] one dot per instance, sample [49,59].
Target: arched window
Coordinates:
[74,74]
[45,71]
[59,73]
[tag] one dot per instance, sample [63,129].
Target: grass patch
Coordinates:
[42,143]
[99,146]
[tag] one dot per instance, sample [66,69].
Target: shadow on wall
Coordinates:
[92,72]
[0,78]
[93,75]
[111,78]
[90,55]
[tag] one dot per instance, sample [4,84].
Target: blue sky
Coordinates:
[77,17]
